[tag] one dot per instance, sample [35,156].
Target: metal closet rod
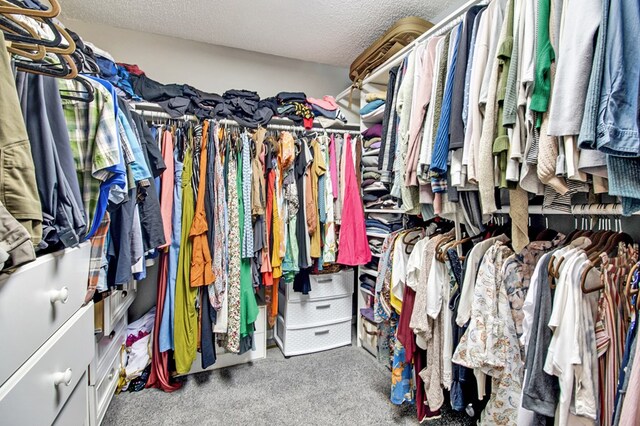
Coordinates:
[611,209]
[290,128]
[151,110]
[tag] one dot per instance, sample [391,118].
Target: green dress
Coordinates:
[186,316]
[248,304]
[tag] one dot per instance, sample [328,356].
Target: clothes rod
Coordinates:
[576,210]
[153,110]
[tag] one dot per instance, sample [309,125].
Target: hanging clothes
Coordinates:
[232,342]
[186,318]
[353,245]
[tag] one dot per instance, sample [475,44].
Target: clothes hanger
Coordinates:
[89,92]
[583,281]
[24,49]
[65,68]
[409,244]
[25,36]
[629,292]
[595,262]
[8,6]
[554,273]
[439,255]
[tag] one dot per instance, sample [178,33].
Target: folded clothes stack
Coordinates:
[377,227]
[327,111]
[375,193]
[368,283]
[375,245]
[373,111]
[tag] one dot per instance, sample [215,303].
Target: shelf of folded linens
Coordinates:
[368,271]
[157,109]
[384,211]
[377,234]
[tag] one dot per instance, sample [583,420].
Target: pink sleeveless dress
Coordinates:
[353,248]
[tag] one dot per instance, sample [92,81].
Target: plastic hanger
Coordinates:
[7,6]
[88,97]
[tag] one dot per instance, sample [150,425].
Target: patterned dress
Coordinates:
[517,272]
[219,288]
[233,327]
[401,371]
[490,344]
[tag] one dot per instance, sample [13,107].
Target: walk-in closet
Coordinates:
[319,213]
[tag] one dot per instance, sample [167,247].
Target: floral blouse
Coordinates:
[490,344]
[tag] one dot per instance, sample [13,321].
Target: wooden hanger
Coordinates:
[594,262]
[439,254]
[583,280]
[554,272]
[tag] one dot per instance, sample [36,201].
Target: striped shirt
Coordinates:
[247,238]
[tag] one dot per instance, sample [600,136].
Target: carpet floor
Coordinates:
[345,386]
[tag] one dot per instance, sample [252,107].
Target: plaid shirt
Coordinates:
[97,257]
[93,135]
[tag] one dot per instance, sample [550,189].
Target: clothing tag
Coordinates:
[69,238]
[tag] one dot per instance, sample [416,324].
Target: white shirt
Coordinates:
[568,333]
[399,268]
[414,264]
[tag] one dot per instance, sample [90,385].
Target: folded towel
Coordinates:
[374,131]
[375,116]
[376,96]
[371,106]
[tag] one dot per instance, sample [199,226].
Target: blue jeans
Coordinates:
[618,112]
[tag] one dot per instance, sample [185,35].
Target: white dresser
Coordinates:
[48,341]
[111,322]
[316,321]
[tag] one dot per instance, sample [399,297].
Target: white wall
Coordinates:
[212,68]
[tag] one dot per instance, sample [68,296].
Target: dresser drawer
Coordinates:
[107,387]
[322,287]
[40,297]
[36,393]
[116,305]
[315,339]
[75,411]
[107,349]
[314,313]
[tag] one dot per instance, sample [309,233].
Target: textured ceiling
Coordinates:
[326,31]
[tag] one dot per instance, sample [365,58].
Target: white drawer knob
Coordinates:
[63,377]
[61,295]
[112,374]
